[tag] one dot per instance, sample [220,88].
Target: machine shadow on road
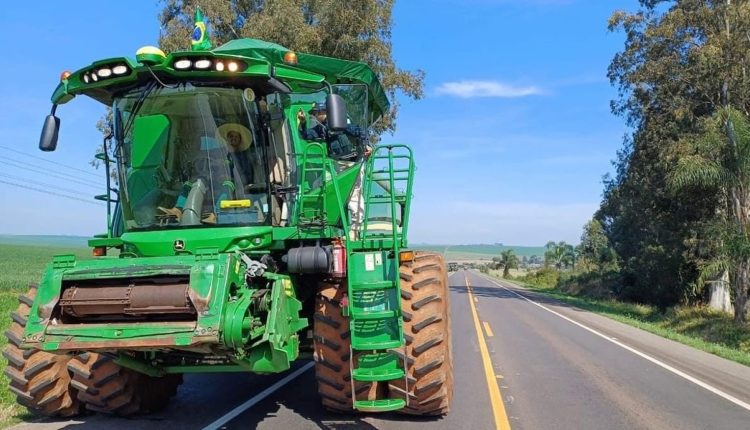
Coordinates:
[296,405]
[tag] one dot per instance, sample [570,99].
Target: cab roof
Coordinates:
[263,61]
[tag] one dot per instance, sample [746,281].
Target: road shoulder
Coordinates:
[728,376]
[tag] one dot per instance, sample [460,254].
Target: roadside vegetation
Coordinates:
[672,233]
[698,326]
[20,265]
[589,276]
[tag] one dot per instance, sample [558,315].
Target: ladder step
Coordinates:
[397,199]
[358,314]
[368,345]
[382,405]
[395,178]
[379,366]
[386,171]
[380,285]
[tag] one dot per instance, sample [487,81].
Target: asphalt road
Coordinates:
[520,361]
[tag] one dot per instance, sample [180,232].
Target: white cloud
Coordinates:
[470,89]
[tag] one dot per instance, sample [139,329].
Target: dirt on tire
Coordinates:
[331,342]
[106,387]
[427,331]
[40,380]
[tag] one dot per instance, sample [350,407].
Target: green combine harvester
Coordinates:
[249,225]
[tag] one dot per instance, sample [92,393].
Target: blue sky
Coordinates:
[512,137]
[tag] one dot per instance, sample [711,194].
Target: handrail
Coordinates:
[392,153]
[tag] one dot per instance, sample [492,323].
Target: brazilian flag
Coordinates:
[200,40]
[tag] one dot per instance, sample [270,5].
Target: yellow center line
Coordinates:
[498,407]
[487,329]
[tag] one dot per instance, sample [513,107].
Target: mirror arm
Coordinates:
[279,86]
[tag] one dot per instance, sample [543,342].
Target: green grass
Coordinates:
[45,240]
[700,327]
[19,266]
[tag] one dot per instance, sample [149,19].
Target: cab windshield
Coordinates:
[190,156]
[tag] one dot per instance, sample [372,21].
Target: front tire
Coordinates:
[39,379]
[106,387]
[427,331]
[331,341]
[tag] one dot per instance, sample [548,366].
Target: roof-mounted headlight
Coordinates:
[202,64]
[120,69]
[104,72]
[183,64]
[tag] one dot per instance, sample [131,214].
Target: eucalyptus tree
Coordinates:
[683,86]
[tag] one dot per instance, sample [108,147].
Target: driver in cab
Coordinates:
[339,145]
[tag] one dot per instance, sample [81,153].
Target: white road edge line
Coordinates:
[661,364]
[234,413]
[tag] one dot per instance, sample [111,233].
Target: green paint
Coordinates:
[150,136]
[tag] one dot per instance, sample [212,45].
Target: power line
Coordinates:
[12,184]
[43,184]
[66,177]
[48,161]
[37,166]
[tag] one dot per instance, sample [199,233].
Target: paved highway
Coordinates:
[520,360]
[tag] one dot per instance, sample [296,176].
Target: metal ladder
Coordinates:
[375,317]
[312,198]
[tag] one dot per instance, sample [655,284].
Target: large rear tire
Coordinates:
[106,387]
[427,331]
[331,342]
[39,379]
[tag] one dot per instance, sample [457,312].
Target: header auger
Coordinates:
[254,225]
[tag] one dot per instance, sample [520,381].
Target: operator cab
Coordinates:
[192,156]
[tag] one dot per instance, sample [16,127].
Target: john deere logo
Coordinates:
[179,245]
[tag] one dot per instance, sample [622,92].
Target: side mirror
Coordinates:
[336,107]
[48,139]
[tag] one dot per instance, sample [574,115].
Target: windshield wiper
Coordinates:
[134,111]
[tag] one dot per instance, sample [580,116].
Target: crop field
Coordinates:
[19,266]
[480,252]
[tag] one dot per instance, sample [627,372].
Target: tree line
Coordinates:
[676,213]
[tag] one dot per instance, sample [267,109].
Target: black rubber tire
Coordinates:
[39,379]
[331,344]
[427,331]
[106,387]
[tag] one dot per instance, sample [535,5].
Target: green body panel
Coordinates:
[209,280]
[265,342]
[224,239]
